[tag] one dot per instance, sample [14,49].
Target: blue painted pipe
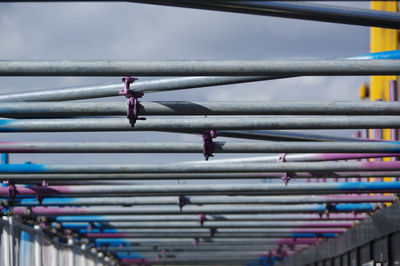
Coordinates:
[394,54]
[4,158]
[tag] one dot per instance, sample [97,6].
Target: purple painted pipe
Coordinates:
[298,241]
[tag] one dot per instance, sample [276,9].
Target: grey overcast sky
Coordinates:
[128,31]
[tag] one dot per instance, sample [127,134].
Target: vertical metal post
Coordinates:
[100,261]
[38,246]
[25,253]
[70,252]
[54,257]
[11,240]
[83,259]
[5,243]
[93,257]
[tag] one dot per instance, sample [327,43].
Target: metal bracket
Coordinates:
[39,194]
[12,191]
[202,219]
[329,207]
[208,137]
[133,102]
[181,202]
[286,177]
[212,231]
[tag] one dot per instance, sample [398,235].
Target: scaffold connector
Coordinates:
[208,143]
[181,202]
[39,192]
[287,176]
[133,100]
[202,219]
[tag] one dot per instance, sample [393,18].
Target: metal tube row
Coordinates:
[208,224]
[201,68]
[201,200]
[203,167]
[207,209]
[390,148]
[194,124]
[24,178]
[326,13]
[217,217]
[57,109]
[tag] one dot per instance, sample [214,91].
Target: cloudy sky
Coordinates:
[127,31]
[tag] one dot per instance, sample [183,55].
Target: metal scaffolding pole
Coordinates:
[24,178]
[181,248]
[276,135]
[146,86]
[206,241]
[307,11]
[207,209]
[218,217]
[390,148]
[318,234]
[184,124]
[204,167]
[217,231]
[57,109]
[208,224]
[202,200]
[337,67]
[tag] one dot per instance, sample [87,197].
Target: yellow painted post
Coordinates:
[382,40]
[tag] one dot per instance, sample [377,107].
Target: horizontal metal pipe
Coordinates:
[292,9]
[276,135]
[391,148]
[177,124]
[194,254]
[219,217]
[26,178]
[208,224]
[203,241]
[203,167]
[57,109]
[202,200]
[183,248]
[190,261]
[201,68]
[207,209]
[217,231]
[146,86]
[199,235]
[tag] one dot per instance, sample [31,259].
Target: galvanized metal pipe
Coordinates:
[221,235]
[204,241]
[217,231]
[207,209]
[202,200]
[190,261]
[391,148]
[201,68]
[218,217]
[183,248]
[199,168]
[207,224]
[29,178]
[292,9]
[276,135]
[146,86]
[194,254]
[57,109]
[177,124]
